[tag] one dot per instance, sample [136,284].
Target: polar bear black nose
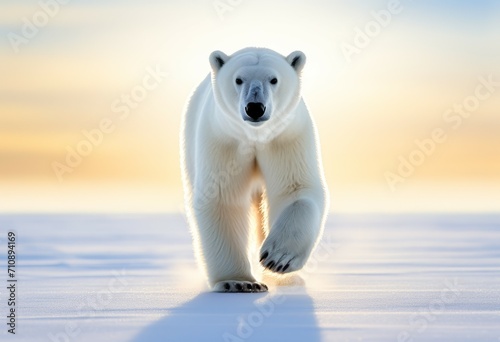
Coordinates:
[255,110]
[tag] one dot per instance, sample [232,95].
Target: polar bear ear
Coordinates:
[217,60]
[297,60]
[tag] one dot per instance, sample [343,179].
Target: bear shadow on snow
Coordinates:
[285,315]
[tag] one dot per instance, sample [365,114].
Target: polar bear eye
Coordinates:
[239,81]
[274,81]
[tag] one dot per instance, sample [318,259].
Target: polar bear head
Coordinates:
[255,85]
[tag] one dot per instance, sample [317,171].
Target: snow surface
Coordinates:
[372,278]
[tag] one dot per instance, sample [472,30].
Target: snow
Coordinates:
[412,277]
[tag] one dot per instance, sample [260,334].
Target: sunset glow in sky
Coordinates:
[406,97]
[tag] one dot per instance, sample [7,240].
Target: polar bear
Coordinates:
[250,153]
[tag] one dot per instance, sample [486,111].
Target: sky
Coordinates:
[405,95]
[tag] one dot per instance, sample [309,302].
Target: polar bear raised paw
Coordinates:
[289,243]
[282,261]
[239,286]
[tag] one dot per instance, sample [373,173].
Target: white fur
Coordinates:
[229,164]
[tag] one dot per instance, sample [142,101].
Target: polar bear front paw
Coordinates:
[291,238]
[239,286]
[281,260]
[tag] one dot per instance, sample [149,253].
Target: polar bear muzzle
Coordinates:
[255,111]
